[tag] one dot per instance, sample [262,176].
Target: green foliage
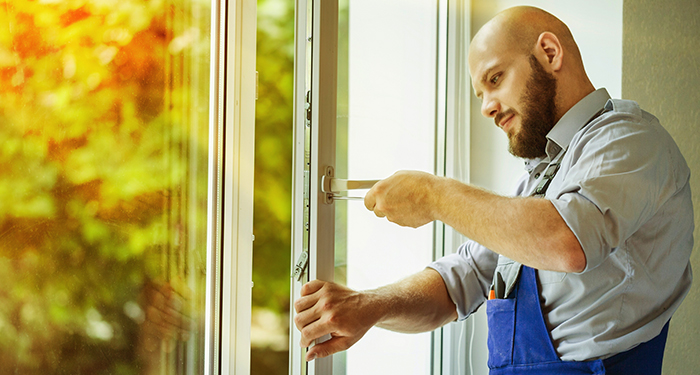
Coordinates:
[273,155]
[99,189]
[273,167]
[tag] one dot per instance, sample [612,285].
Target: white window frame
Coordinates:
[231,170]
[452,159]
[323,36]
[451,342]
[453,351]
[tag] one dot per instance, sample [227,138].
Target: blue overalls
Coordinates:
[518,339]
[519,342]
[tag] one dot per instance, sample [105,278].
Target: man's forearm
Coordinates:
[419,303]
[528,230]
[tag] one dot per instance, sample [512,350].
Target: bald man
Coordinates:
[582,269]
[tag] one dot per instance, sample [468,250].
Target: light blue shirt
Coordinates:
[623,189]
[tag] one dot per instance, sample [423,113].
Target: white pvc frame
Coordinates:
[450,342]
[231,171]
[323,37]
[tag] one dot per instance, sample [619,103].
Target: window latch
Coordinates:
[300,266]
[331,186]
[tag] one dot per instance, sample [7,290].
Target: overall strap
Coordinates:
[554,165]
[509,274]
[548,176]
[512,273]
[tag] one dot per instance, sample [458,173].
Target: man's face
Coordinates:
[519,94]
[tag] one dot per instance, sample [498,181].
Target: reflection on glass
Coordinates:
[103,180]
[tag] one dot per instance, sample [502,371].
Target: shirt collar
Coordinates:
[573,120]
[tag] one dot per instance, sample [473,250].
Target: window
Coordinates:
[126,172]
[386,122]
[117,195]
[360,64]
[382,102]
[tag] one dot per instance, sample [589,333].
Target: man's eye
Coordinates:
[495,78]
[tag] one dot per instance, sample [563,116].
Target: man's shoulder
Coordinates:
[621,118]
[626,132]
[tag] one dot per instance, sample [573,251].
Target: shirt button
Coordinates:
[537,175]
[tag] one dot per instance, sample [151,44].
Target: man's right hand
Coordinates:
[328,308]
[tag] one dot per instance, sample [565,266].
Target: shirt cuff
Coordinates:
[462,283]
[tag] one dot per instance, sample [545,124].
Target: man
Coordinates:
[583,268]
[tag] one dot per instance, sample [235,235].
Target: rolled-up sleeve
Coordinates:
[467,275]
[619,178]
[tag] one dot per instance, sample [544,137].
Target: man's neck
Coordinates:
[572,95]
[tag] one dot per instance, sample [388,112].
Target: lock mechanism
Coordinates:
[331,186]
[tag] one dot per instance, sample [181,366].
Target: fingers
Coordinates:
[370,199]
[306,313]
[403,198]
[326,348]
[308,295]
[166,315]
[313,331]
[335,310]
[304,303]
[172,306]
[312,317]
[156,320]
[312,287]
[306,317]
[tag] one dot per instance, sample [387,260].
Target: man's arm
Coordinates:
[525,229]
[418,303]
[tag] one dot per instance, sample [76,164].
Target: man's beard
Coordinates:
[538,114]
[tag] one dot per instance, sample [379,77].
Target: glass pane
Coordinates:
[103,186]
[386,122]
[273,182]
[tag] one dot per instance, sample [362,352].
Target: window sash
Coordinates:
[316,30]
[230,242]
[452,156]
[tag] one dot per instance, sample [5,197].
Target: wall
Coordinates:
[661,71]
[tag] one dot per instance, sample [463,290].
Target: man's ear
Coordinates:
[549,48]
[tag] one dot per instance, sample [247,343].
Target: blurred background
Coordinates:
[103,186]
[273,184]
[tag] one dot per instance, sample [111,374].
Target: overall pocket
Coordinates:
[501,324]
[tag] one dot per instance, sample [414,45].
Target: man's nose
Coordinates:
[489,106]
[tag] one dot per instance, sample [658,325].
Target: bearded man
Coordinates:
[582,269]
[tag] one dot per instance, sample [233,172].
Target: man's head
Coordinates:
[527,70]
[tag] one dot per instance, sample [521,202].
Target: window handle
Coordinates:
[333,186]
